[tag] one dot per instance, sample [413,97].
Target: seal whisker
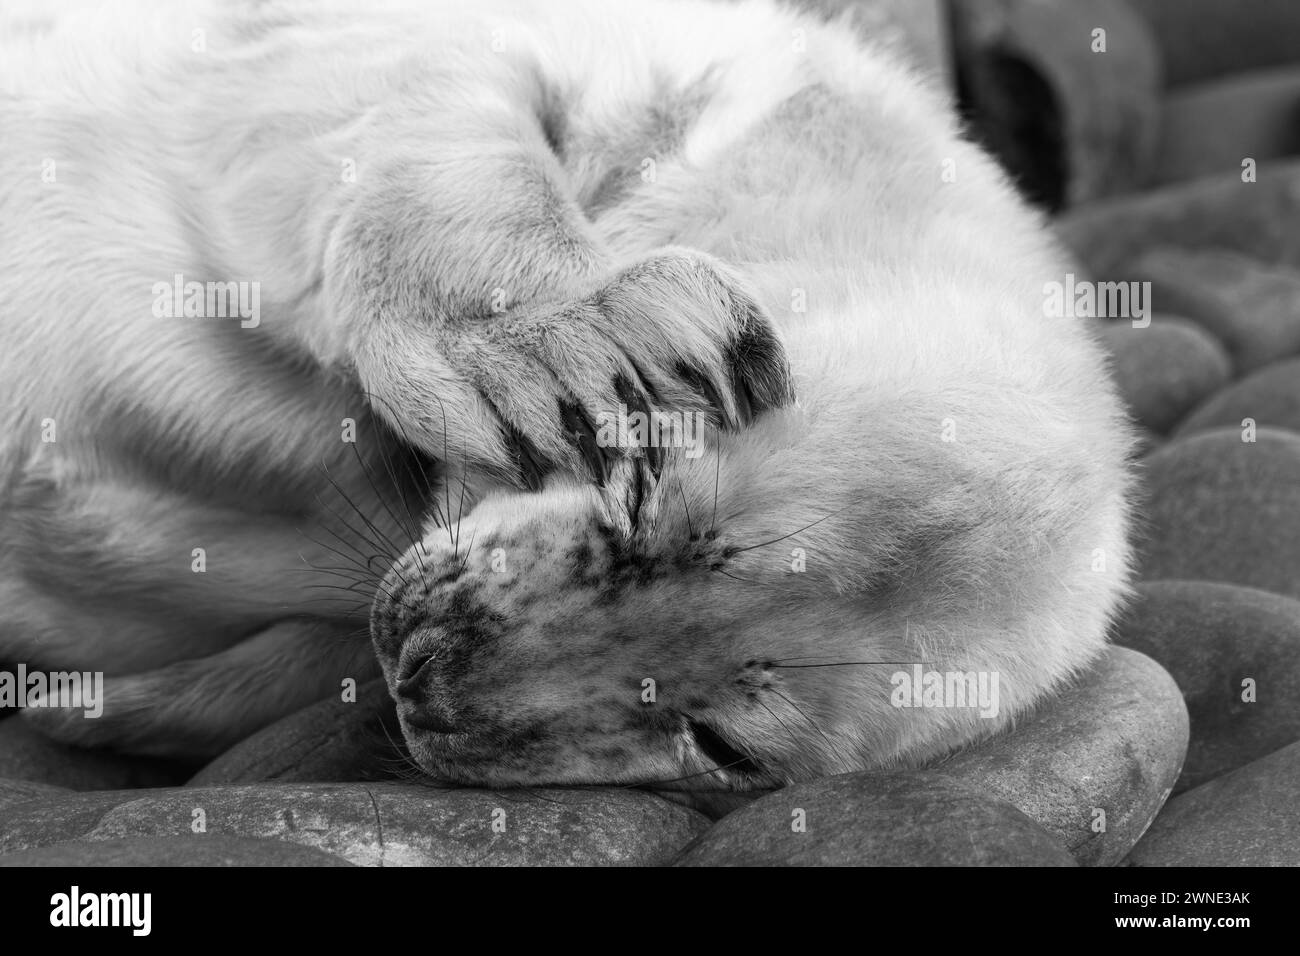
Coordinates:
[365,567]
[734,577]
[784,726]
[378,550]
[412,530]
[780,666]
[347,542]
[764,544]
[690,529]
[430,496]
[800,711]
[361,514]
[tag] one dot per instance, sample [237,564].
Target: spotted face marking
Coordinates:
[561,650]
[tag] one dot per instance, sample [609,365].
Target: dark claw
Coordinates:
[647,385]
[637,489]
[636,401]
[744,406]
[532,466]
[760,369]
[751,398]
[583,433]
[704,385]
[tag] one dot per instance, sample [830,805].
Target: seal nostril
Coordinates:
[409,678]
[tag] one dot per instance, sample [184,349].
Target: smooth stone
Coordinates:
[1250,306]
[1165,369]
[26,754]
[196,850]
[1068,123]
[1223,509]
[1211,637]
[867,819]
[1260,220]
[1200,39]
[714,804]
[329,741]
[1211,127]
[382,824]
[1270,396]
[1113,741]
[20,791]
[1250,817]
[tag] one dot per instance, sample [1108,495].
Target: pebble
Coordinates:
[1207,129]
[21,791]
[332,740]
[26,754]
[1259,220]
[1250,817]
[380,824]
[866,819]
[1250,306]
[194,850]
[1270,396]
[1094,765]
[1070,124]
[1165,369]
[1211,638]
[1223,509]
[1201,39]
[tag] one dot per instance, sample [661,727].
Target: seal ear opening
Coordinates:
[723,754]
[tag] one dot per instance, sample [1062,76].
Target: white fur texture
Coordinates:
[954,458]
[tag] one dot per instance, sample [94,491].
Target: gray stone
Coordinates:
[1252,307]
[1113,742]
[865,819]
[1270,396]
[1260,220]
[1223,509]
[329,741]
[1069,123]
[1200,39]
[1210,128]
[26,754]
[20,791]
[381,824]
[1212,637]
[714,804]
[194,850]
[1250,817]
[1164,369]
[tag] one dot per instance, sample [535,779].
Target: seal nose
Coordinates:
[424,712]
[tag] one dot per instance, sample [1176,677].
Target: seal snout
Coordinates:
[420,698]
[429,669]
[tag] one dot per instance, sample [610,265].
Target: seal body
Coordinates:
[489,238]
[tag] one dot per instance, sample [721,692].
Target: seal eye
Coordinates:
[722,753]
